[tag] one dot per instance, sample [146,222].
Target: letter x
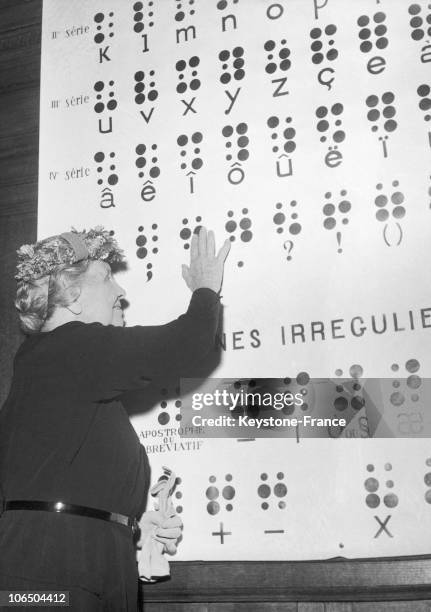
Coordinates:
[189,106]
[383,526]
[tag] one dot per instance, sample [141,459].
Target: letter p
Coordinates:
[319,4]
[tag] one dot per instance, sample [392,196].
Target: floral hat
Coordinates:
[43,257]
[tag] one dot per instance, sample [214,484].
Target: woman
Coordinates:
[64,436]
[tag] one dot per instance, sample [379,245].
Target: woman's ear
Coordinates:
[72,298]
[75,308]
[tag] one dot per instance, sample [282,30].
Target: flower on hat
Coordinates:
[43,257]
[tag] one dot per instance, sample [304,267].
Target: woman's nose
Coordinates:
[120,290]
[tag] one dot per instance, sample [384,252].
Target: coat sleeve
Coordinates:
[111,360]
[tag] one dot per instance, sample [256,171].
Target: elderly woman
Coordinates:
[73,476]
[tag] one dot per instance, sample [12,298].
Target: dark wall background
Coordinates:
[337,585]
[20,34]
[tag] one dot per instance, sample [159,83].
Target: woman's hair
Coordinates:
[37,299]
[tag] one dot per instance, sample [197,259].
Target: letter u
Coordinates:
[373,325]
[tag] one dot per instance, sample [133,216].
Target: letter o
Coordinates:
[240,177]
[272,16]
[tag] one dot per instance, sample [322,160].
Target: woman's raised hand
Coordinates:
[206,268]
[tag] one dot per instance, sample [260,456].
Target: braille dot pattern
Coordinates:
[354,393]
[183,8]
[143,14]
[382,112]
[147,154]
[167,411]
[242,227]
[100,158]
[327,116]
[147,247]
[111,103]
[103,22]
[413,383]
[323,51]
[279,218]
[283,134]
[389,206]
[232,65]
[375,492]
[145,87]
[420,24]
[213,493]
[237,142]
[279,489]
[186,233]
[178,495]
[332,213]
[425,100]
[277,56]
[427,480]
[224,4]
[187,69]
[187,145]
[372,32]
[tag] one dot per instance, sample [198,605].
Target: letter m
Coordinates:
[185,31]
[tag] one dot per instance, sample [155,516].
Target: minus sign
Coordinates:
[246,439]
[274,531]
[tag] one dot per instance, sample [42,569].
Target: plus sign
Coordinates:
[221,533]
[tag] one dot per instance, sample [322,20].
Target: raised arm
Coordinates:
[115,359]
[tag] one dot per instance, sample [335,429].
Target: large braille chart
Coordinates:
[301,130]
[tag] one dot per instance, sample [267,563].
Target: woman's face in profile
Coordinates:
[100,297]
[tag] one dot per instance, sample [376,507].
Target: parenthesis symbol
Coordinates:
[400,232]
[384,235]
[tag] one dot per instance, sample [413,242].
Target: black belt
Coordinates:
[73,509]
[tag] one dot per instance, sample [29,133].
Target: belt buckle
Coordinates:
[134,526]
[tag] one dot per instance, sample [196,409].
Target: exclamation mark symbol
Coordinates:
[340,250]
[383,140]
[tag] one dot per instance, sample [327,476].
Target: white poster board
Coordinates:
[301,129]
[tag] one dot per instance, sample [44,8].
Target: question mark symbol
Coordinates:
[288,249]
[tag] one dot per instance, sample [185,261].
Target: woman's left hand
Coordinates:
[165,530]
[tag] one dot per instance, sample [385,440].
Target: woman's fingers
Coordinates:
[203,244]
[222,254]
[185,273]
[164,532]
[211,244]
[194,248]
[202,241]
[169,547]
[151,517]
[173,521]
[206,265]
